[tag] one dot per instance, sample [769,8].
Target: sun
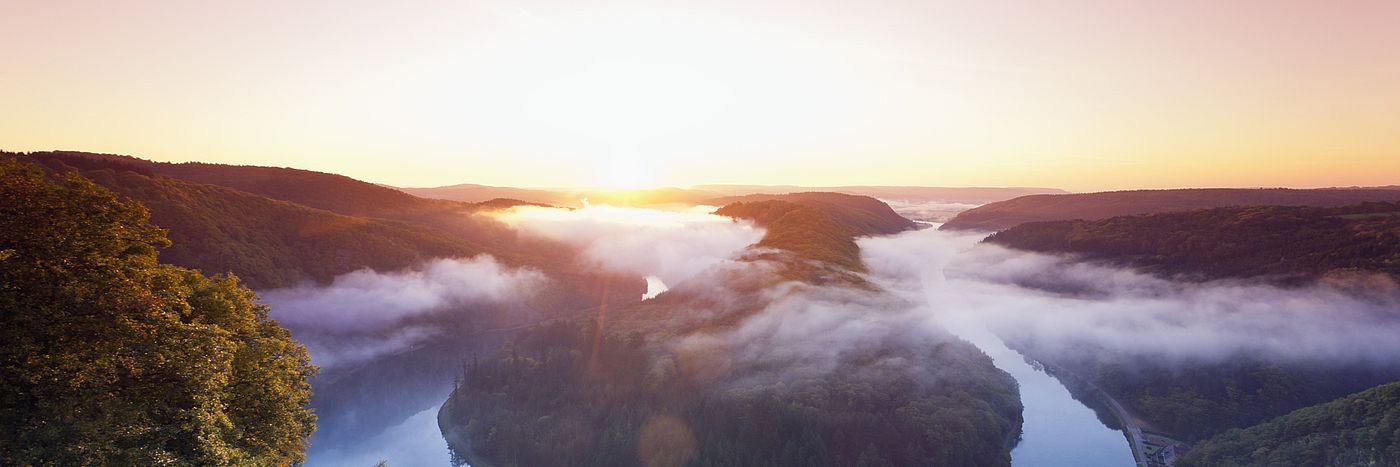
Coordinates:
[625,172]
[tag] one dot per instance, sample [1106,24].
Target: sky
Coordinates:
[1077,94]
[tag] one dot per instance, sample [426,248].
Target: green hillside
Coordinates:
[1361,429]
[111,358]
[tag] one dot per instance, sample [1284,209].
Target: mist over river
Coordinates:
[1058,430]
[388,410]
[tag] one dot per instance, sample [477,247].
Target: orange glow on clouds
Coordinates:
[1080,94]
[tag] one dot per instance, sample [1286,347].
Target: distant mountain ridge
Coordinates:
[968,195]
[1285,243]
[565,197]
[472,193]
[321,190]
[1091,206]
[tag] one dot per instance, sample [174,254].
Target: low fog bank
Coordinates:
[928,282]
[673,246]
[805,331]
[930,285]
[928,211]
[922,284]
[1063,304]
[364,314]
[389,342]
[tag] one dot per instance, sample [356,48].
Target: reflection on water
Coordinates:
[1058,430]
[414,442]
[387,409]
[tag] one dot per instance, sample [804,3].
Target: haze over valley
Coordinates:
[531,233]
[787,306]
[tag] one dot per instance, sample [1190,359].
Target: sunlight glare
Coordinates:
[625,172]
[606,214]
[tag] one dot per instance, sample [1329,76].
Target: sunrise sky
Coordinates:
[1082,95]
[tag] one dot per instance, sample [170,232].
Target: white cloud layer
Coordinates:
[1064,303]
[672,245]
[362,314]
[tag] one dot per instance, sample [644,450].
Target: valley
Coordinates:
[639,233]
[540,335]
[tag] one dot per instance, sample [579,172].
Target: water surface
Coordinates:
[1058,431]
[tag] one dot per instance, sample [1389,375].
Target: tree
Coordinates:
[112,358]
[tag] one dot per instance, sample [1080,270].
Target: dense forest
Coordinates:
[1283,243]
[1361,429]
[1003,215]
[111,358]
[581,393]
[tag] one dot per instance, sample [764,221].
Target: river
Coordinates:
[387,409]
[1058,430]
[413,442]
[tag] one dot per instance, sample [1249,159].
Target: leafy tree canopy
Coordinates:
[111,358]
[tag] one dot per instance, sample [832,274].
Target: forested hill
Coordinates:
[266,242]
[331,192]
[819,227]
[1287,243]
[1090,206]
[113,359]
[274,243]
[1361,429]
